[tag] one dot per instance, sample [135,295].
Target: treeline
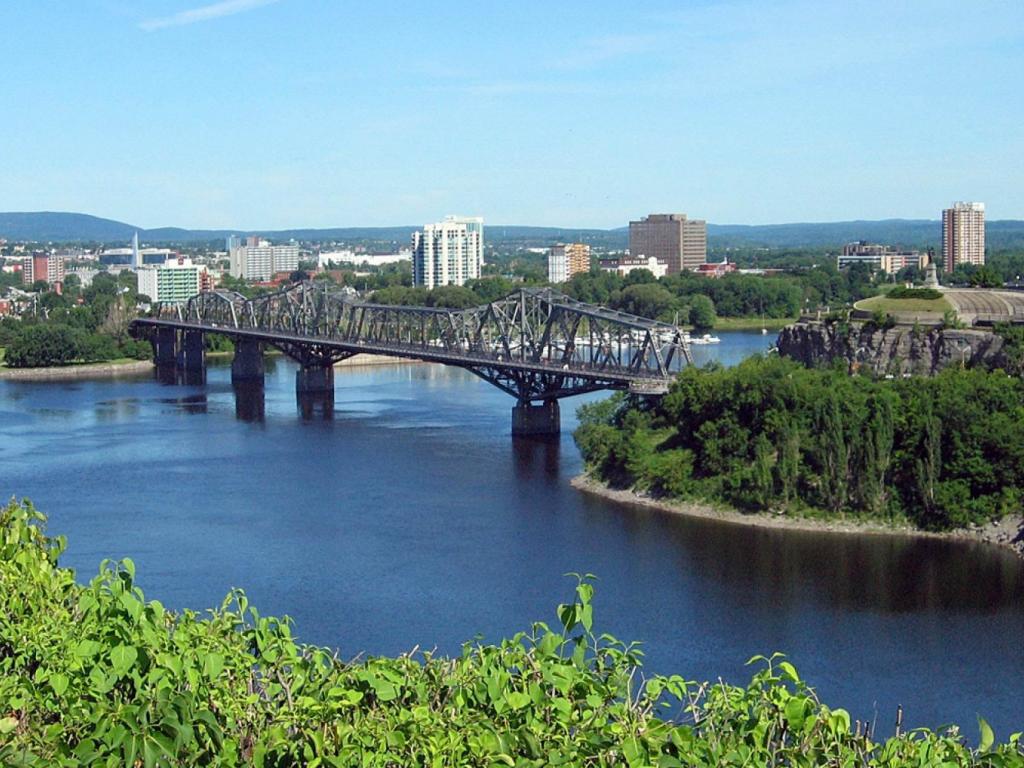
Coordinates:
[685,297]
[78,326]
[97,675]
[769,434]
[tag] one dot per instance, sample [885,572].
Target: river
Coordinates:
[409,516]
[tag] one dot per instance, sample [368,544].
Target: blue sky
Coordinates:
[287,113]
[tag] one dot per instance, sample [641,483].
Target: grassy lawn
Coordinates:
[752,323]
[885,304]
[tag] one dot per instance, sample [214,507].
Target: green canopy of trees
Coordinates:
[769,434]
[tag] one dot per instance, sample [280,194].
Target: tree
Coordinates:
[42,345]
[702,312]
[986,277]
[646,300]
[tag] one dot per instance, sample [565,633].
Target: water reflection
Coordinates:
[536,457]
[172,375]
[315,405]
[250,401]
[887,574]
[123,409]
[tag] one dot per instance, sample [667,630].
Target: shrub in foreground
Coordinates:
[97,675]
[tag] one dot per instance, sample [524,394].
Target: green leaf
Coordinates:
[517,699]
[840,720]
[7,724]
[213,664]
[87,649]
[987,736]
[122,657]
[790,671]
[796,712]
[59,683]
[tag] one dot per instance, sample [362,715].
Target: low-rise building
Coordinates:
[715,268]
[880,258]
[626,264]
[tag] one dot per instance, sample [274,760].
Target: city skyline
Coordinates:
[581,115]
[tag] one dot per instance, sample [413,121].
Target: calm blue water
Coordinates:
[409,516]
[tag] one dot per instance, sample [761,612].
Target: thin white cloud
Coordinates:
[203,13]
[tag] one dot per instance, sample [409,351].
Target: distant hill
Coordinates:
[62,227]
[77,227]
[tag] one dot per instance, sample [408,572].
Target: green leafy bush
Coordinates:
[902,292]
[98,675]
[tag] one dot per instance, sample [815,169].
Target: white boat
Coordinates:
[707,338]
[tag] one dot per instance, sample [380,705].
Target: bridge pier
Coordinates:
[165,346]
[247,364]
[529,419]
[314,379]
[191,355]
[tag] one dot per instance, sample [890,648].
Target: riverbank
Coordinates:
[76,372]
[752,323]
[1008,533]
[363,359]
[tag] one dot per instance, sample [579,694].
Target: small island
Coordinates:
[773,440]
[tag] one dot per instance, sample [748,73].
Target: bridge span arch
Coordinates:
[536,344]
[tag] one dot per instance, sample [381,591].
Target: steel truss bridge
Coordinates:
[535,344]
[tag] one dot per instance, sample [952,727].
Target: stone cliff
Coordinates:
[894,350]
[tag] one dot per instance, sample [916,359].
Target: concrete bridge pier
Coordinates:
[314,379]
[191,355]
[247,364]
[250,403]
[529,419]
[165,347]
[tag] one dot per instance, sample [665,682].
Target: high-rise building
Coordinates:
[42,266]
[564,261]
[963,235]
[674,240]
[231,242]
[449,252]
[259,260]
[176,280]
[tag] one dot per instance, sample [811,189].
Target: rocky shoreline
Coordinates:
[1007,533]
[76,372]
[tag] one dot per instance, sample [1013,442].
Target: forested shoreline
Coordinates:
[770,435]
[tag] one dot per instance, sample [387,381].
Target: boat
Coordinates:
[707,338]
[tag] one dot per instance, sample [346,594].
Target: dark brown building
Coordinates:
[674,240]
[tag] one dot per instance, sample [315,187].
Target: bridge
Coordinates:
[535,344]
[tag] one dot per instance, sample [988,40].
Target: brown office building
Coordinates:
[674,240]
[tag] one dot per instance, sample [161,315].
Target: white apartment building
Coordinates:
[176,280]
[259,260]
[449,252]
[963,235]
